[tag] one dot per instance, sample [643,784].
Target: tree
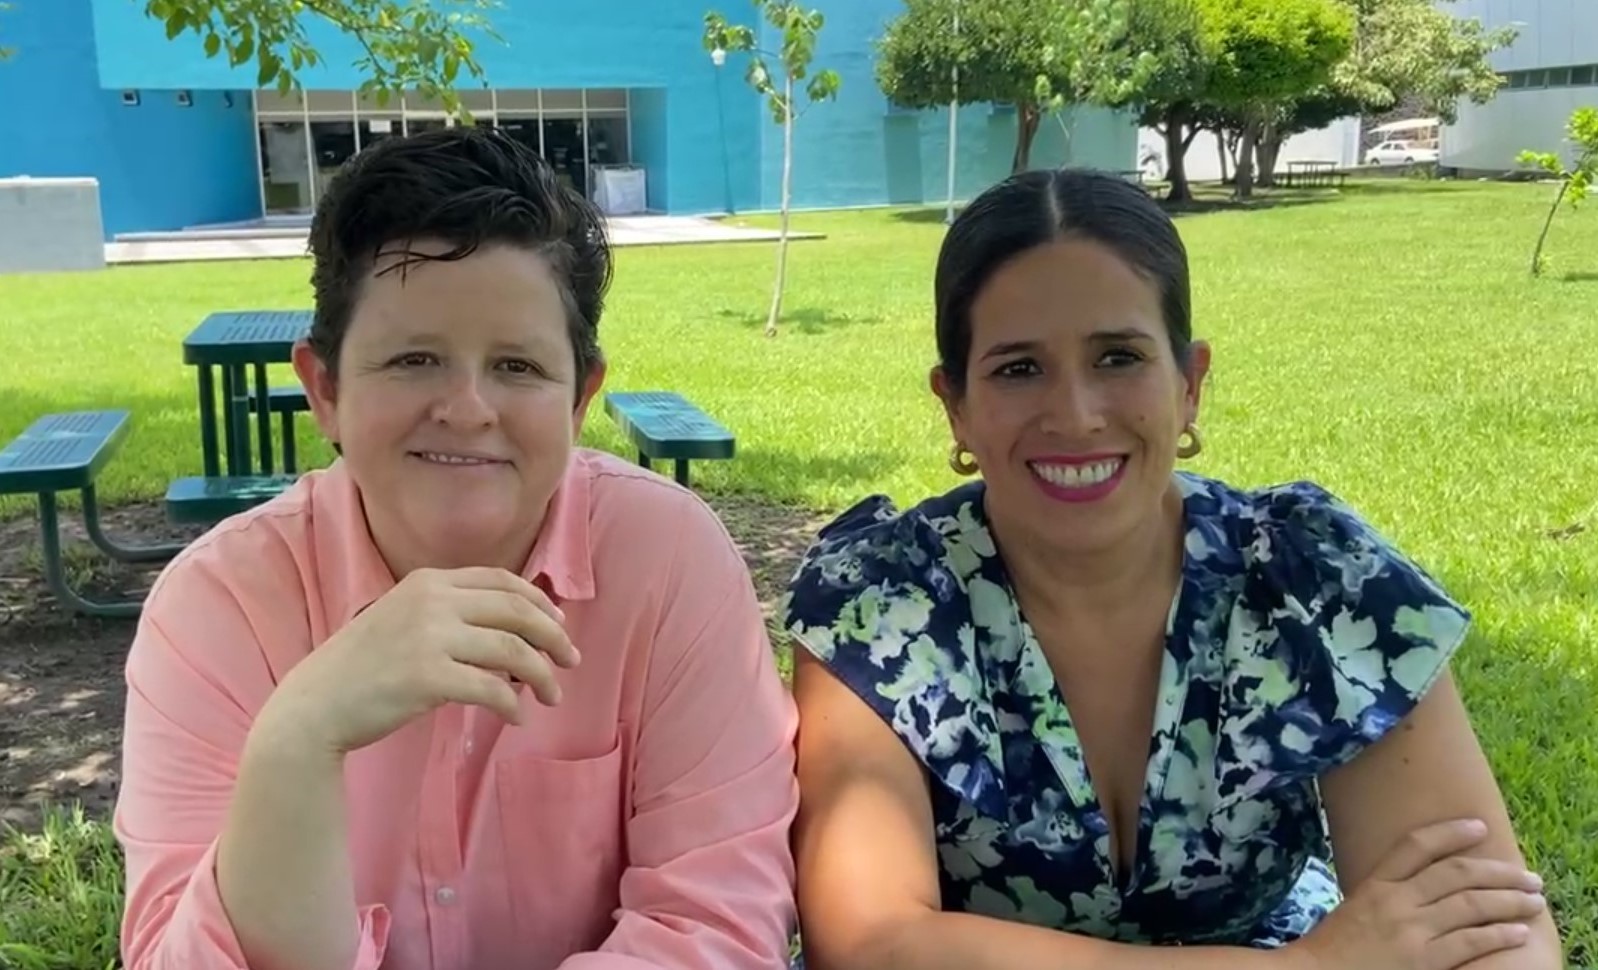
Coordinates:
[1034,54]
[1402,49]
[1407,48]
[406,44]
[1271,53]
[1315,110]
[1170,99]
[799,29]
[5,52]
[1576,181]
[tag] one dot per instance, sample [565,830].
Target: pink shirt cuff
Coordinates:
[194,932]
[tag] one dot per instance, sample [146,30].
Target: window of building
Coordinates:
[306,136]
[1583,76]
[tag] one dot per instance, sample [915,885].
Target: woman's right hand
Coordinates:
[1427,907]
[439,636]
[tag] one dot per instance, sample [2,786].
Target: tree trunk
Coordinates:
[1245,161]
[1266,154]
[787,189]
[1176,156]
[1220,150]
[1233,139]
[1026,128]
[1537,254]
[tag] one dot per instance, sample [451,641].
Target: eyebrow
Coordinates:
[1011,347]
[1124,335]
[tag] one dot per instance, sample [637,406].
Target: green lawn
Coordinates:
[1388,344]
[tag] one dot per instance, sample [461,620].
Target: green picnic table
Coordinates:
[235,342]
[240,344]
[665,426]
[66,453]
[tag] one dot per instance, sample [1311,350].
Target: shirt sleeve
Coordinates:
[709,882]
[196,678]
[1338,637]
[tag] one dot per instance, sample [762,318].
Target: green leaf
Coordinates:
[213,45]
[270,66]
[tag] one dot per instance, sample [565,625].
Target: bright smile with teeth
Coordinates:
[439,458]
[1078,476]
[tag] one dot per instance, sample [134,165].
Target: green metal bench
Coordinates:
[199,500]
[65,453]
[285,402]
[664,426]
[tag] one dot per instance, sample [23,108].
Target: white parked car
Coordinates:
[1399,153]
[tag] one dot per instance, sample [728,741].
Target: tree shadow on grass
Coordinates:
[1580,276]
[1401,186]
[926,216]
[1209,199]
[1266,200]
[810,321]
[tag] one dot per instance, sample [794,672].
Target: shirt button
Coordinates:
[445,896]
[469,746]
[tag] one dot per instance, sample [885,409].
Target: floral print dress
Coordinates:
[1296,638]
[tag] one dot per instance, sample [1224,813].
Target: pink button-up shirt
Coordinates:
[642,823]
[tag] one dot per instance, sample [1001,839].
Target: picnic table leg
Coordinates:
[682,472]
[263,418]
[241,415]
[236,418]
[230,425]
[290,464]
[208,453]
[643,461]
[121,553]
[55,569]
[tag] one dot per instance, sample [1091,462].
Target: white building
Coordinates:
[1337,143]
[1550,71]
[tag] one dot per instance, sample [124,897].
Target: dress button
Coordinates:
[445,896]
[469,745]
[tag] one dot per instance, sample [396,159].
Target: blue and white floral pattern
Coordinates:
[1297,637]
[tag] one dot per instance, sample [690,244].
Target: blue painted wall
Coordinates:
[708,141]
[157,163]
[650,146]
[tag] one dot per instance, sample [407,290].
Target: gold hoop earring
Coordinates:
[1194,442]
[961,460]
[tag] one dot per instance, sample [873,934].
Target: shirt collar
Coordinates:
[352,573]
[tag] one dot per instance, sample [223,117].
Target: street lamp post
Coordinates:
[718,57]
[954,125]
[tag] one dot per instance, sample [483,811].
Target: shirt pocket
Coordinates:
[563,832]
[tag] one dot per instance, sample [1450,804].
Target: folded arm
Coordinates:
[235,841]
[1428,769]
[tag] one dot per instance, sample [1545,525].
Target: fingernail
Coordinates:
[1534,880]
[1476,827]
